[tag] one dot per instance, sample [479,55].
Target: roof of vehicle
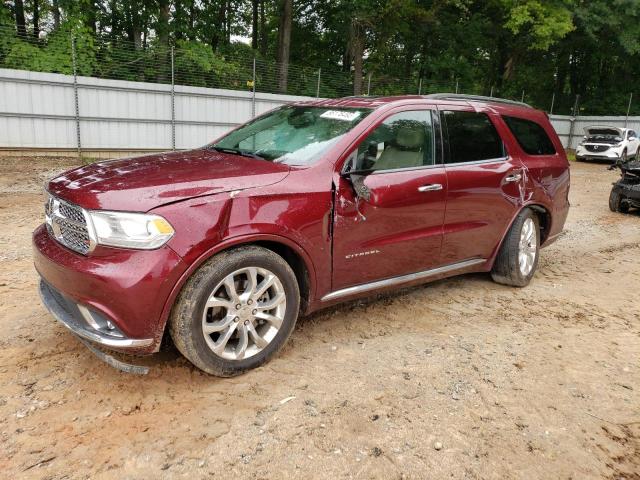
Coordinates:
[365,101]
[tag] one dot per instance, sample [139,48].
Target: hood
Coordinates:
[142,183]
[604,131]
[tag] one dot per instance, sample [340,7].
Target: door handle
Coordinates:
[514,177]
[430,188]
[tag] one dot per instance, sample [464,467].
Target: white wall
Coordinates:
[37,110]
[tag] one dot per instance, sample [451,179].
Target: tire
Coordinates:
[624,158]
[616,203]
[209,300]
[508,268]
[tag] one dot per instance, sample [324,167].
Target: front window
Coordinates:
[403,140]
[295,135]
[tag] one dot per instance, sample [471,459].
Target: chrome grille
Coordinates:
[67,224]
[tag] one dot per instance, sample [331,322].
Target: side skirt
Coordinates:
[390,282]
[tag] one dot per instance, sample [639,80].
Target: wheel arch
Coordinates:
[544,220]
[299,261]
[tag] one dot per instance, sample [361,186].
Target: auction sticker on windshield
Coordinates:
[340,115]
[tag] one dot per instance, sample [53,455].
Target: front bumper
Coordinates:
[84,322]
[113,297]
[75,319]
[609,155]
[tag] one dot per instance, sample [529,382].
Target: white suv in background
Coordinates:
[608,143]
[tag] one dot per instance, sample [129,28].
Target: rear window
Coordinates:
[531,136]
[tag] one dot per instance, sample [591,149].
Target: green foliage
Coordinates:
[54,54]
[197,64]
[543,23]
[546,48]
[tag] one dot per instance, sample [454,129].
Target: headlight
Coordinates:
[130,230]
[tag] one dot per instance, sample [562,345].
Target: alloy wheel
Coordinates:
[528,247]
[244,313]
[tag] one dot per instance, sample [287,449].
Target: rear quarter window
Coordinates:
[531,136]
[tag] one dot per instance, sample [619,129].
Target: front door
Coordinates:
[398,229]
[486,185]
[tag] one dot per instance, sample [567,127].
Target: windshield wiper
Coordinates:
[237,151]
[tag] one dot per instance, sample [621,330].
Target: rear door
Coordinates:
[398,229]
[485,184]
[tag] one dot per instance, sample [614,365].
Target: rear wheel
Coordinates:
[236,311]
[517,258]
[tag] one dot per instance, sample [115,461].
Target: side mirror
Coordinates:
[356,177]
[632,139]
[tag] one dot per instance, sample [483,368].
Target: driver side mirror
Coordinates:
[355,174]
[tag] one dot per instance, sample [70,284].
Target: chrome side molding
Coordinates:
[389,282]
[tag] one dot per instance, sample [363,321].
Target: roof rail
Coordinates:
[475,98]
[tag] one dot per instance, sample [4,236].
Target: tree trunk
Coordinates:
[263,30]
[20,22]
[55,9]
[192,19]
[163,39]
[228,25]
[113,19]
[179,18]
[254,25]
[91,16]
[163,22]
[219,30]
[134,26]
[36,19]
[357,52]
[284,43]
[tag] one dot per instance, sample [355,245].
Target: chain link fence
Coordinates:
[236,68]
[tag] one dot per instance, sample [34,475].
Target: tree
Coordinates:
[254,24]
[561,47]
[284,43]
[21,25]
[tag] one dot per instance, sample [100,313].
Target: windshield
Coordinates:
[293,135]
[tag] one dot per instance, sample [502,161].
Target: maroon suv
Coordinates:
[308,205]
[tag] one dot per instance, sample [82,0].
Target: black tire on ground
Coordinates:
[185,322]
[506,269]
[624,156]
[616,203]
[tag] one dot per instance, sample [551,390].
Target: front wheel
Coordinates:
[236,311]
[517,258]
[617,203]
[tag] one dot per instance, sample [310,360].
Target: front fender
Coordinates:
[205,227]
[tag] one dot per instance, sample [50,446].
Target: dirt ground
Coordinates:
[460,379]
